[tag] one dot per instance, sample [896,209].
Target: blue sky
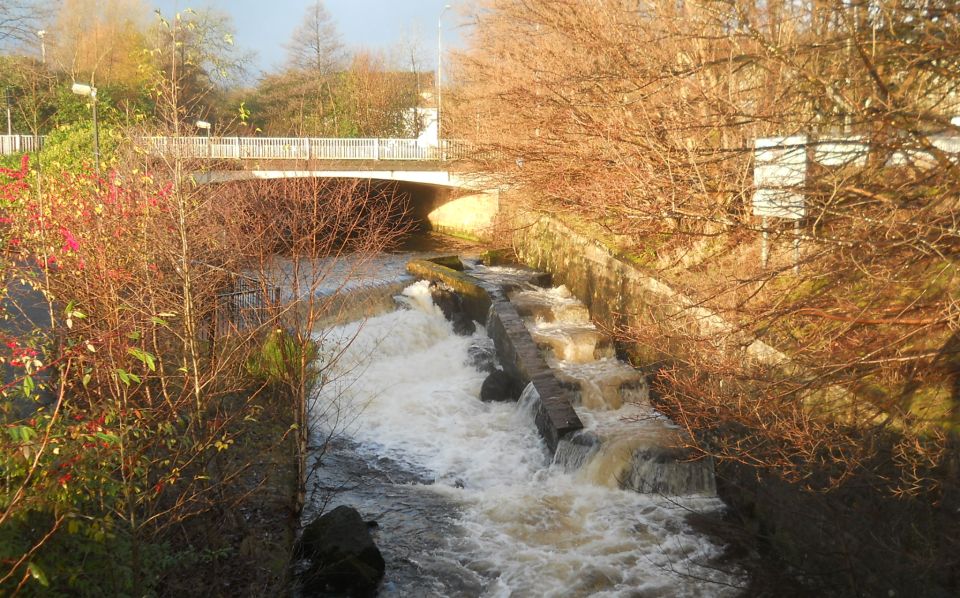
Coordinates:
[264,26]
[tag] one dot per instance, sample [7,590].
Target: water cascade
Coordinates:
[468,499]
[627,441]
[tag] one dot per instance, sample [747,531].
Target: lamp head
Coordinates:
[84,90]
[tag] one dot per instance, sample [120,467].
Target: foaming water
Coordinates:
[403,398]
[556,303]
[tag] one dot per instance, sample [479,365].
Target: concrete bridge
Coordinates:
[238,158]
[442,199]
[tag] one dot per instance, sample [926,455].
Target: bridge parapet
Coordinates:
[277,148]
[305,148]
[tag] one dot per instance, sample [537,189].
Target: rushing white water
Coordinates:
[557,303]
[402,393]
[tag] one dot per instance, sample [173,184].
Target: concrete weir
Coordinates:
[519,355]
[546,343]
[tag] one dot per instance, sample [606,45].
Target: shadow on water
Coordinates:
[436,243]
[415,518]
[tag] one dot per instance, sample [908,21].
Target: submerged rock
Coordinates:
[462,324]
[451,304]
[482,356]
[342,555]
[499,386]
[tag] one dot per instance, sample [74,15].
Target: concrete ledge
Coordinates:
[473,292]
[521,359]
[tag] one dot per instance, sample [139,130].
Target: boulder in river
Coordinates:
[462,324]
[451,304]
[482,355]
[343,557]
[499,386]
[448,261]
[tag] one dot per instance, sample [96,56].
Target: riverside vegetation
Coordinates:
[143,450]
[126,426]
[635,124]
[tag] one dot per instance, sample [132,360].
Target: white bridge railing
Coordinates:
[305,148]
[18,144]
[275,148]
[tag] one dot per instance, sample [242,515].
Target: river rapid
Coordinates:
[467,499]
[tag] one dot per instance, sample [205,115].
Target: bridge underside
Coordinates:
[429,177]
[439,200]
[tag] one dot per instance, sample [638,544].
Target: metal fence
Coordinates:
[306,148]
[18,144]
[245,305]
[275,148]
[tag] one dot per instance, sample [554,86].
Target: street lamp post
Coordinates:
[43,46]
[8,100]
[440,73]
[88,90]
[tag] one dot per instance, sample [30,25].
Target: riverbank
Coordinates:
[243,546]
[808,481]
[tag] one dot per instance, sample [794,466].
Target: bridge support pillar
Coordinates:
[471,215]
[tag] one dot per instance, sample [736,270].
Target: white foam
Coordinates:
[528,528]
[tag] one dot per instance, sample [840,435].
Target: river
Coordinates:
[467,498]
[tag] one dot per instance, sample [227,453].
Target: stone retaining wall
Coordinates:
[619,295]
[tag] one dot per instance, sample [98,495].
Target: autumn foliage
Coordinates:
[104,445]
[636,123]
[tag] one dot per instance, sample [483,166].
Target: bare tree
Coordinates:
[19,21]
[411,50]
[315,237]
[638,123]
[315,46]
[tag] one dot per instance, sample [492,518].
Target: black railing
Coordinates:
[245,304]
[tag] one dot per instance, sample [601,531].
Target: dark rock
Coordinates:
[453,482]
[342,555]
[462,324]
[483,357]
[517,353]
[447,300]
[451,304]
[499,386]
[475,297]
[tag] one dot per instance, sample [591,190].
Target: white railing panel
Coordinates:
[297,148]
[276,148]
[17,144]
